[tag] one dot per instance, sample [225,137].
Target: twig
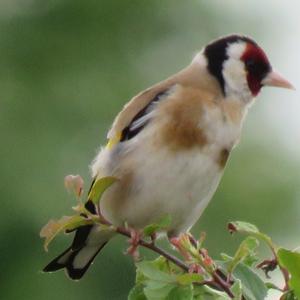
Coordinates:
[286,278]
[156,249]
[284,272]
[223,284]
[216,282]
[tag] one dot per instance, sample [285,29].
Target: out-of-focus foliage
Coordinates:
[66,68]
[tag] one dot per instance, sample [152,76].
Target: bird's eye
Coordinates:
[250,63]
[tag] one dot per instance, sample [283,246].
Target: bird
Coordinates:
[169,145]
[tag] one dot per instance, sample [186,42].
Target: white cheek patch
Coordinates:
[234,72]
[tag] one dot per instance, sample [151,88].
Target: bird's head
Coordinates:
[241,67]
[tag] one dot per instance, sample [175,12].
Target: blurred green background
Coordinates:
[66,69]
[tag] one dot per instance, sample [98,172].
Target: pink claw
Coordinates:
[134,243]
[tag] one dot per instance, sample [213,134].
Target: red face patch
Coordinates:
[257,66]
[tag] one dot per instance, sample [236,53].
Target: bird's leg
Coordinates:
[135,238]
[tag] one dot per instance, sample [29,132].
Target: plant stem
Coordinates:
[217,281]
[223,284]
[286,277]
[156,249]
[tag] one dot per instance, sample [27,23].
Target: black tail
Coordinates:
[76,262]
[87,243]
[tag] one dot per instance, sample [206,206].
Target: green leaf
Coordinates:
[137,293]
[160,264]
[159,292]
[181,293]
[252,285]
[99,187]
[272,286]
[291,261]
[243,227]
[236,289]
[149,270]
[160,225]
[246,249]
[158,281]
[289,296]
[251,259]
[226,257]
[163,264]
[247,228]
[54,227]
[155,285]
[189,278]
[205,292]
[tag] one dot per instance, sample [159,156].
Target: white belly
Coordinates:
[180,185]
[156,181]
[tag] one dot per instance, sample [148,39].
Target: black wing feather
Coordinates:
[133,129]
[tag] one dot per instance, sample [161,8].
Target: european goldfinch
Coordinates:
[169,145]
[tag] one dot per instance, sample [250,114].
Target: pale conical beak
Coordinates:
[275,79]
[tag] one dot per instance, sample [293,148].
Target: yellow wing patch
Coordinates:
[113,141]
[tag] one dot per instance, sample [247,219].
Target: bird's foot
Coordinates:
[135,237]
